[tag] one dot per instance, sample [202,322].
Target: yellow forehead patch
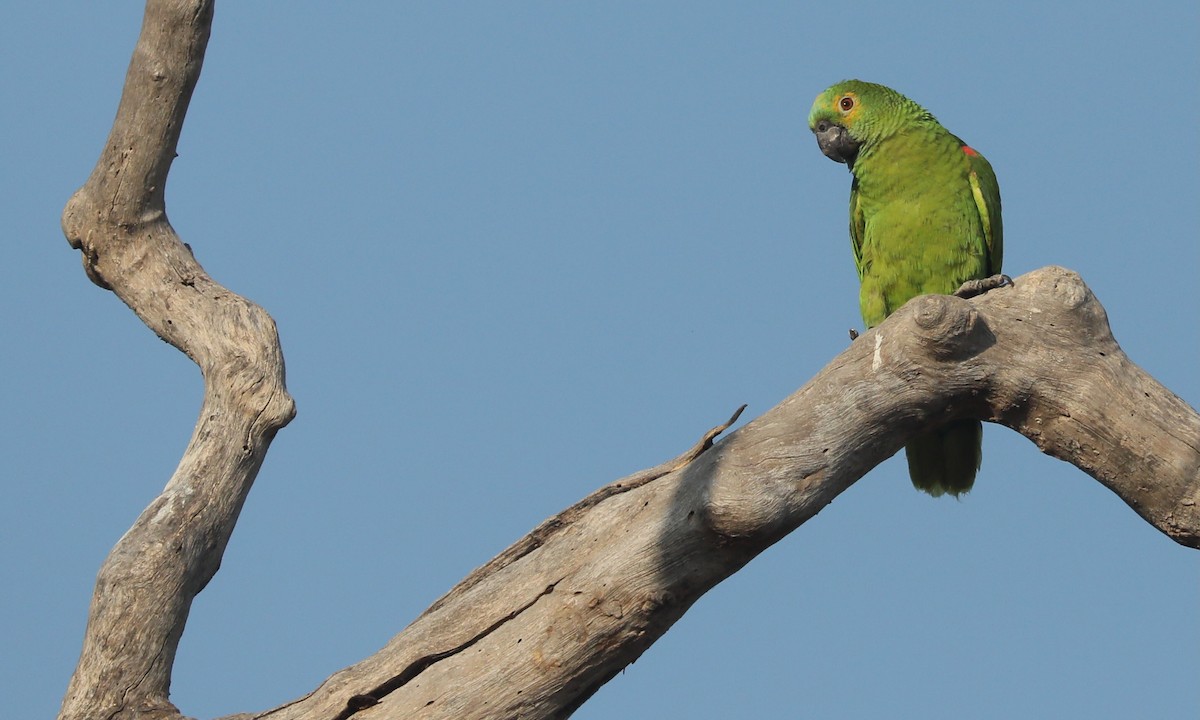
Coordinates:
[846,104]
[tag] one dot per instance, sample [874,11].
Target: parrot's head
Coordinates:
[853,114]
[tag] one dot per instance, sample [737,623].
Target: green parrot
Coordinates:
[924,218]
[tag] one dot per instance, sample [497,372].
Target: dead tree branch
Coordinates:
[535,632]
[118,221]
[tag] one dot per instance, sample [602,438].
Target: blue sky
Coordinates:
[518,250]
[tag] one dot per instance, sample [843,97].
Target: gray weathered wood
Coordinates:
[118,221]
[537,630]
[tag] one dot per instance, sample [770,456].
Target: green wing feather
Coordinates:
[986,190]
[857,224]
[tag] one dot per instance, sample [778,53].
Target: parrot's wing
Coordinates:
[857,228]
[987,199]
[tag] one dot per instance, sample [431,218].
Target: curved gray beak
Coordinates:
[835,142]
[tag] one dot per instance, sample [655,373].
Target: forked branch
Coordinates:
[535,632]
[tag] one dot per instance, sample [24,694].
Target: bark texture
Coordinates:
[533,633]
[118,221]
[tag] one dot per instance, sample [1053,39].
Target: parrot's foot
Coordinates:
[972,288]
[853,334]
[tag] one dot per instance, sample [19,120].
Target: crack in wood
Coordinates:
[362,701]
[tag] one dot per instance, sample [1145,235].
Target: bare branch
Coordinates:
[118,220]
[535,632]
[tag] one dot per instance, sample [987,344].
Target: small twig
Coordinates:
[548,528]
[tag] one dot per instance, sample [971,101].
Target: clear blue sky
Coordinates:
[517,250]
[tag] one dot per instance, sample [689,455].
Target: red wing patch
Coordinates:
[970,150]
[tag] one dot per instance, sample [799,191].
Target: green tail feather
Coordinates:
[946,460]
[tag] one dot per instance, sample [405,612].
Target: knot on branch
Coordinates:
[78,228]
[72,223]
[1053,287]
[1065,309]
[1067,287]
[950,328]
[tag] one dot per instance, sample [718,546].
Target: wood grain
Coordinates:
[536,631]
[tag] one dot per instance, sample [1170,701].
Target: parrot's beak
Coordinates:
[835,142]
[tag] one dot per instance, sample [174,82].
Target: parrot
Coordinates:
[924,219]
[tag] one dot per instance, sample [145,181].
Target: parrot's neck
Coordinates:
[901,159]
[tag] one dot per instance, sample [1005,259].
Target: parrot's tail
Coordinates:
[946,460]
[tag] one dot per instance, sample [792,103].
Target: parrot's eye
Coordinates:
[846,103]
